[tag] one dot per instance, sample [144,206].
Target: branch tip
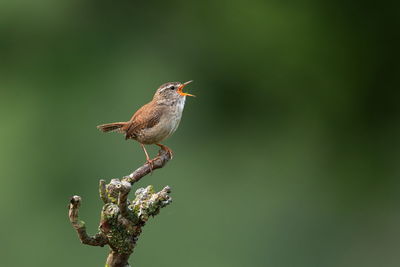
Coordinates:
[75,200]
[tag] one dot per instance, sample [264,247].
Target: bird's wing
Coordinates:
[145,117]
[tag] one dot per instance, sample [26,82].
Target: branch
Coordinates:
[158,162]
[148,203]
[98,240]
[121,220]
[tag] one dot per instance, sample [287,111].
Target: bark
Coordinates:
[117,260]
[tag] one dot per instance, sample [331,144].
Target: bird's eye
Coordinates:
[172,87]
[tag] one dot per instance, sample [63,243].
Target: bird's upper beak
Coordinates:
[181,87]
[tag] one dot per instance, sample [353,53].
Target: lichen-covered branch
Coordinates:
[122,220]
[125,188]
[148,203]
[103,192]
[98,240]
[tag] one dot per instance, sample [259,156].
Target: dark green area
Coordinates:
[289,155]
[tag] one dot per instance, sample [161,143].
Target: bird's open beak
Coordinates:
[181,87]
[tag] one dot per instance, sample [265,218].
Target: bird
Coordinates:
[156,120]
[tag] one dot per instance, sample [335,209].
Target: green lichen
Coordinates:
[122,232]
[81,224]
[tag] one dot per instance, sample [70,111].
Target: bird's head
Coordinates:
[171,90]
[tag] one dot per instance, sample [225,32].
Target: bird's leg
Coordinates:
[148,160]
[165,148]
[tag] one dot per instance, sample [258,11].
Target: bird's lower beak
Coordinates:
[180,88]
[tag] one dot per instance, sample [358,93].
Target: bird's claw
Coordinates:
[166,149]
[151,164]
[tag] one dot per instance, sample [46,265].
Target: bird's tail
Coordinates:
[112,127]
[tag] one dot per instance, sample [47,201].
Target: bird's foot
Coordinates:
[148,160]
[167,149]
[151,164]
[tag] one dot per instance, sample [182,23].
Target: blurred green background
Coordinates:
[289,155]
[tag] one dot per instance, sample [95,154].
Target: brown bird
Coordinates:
[156,120]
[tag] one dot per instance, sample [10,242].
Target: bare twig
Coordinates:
[158,162]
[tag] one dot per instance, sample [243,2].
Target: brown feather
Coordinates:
[146,117]
[111,127]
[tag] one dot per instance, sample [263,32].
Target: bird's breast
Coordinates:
[173,118]
[169,122]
